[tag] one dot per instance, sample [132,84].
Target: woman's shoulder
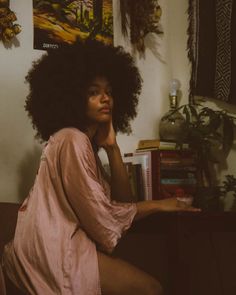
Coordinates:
[69,137]
[70,134]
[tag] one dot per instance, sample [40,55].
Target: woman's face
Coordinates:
[100,101]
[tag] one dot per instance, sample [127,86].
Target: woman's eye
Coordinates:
[96,92]
[109,92]
[93,92]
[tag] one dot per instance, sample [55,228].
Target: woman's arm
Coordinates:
[120,184]
[119,181]
[146,208]
[103,220]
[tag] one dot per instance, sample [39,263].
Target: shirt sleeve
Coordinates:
[103,220]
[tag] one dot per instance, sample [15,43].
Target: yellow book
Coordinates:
[158,144]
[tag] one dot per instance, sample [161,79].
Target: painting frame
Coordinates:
[57,22]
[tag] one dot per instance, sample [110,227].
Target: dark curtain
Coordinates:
[212,49]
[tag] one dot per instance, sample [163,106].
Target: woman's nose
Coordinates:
[105,96]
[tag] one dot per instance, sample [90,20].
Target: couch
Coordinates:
[8,217]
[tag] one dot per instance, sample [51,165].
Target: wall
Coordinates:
[20,152]
[168,60]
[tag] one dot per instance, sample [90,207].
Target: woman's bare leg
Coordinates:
[118,277]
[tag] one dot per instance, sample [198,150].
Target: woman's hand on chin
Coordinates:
[105,136]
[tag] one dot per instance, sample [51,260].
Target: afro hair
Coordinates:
[59,80]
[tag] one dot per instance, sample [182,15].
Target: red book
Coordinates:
[169,190]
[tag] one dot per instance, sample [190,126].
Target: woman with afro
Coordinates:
[80,96]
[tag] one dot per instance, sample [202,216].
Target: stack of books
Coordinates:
[153,144]
[178,170]
[157,169]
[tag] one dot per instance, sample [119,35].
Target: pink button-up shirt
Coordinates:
[66,217]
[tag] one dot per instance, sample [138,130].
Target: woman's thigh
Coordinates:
[118,277]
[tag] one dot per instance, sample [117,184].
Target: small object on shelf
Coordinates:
[183,200]
[172,124]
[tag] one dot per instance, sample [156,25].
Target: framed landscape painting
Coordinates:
[63,21]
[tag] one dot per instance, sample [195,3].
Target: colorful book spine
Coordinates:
[165,173]
[177,162]
[144,162]
[150,144]
[176,181]
[179,168]
[137,170]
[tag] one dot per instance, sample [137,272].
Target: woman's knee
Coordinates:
[150,286]
[155,288]
[119,277]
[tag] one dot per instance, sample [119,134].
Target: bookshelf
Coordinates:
[162,172]
[177,172]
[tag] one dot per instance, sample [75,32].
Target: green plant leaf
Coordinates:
[194,113]
[212,119]
[187,114]
[228,134]
[209,133]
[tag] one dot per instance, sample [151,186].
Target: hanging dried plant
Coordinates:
[142,17]
[8,29]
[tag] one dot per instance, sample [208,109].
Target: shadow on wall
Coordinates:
[152,43]
[27,171]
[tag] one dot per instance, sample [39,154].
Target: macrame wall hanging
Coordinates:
[138,18]
[8,30]
[212,49]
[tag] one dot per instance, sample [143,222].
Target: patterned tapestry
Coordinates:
[212,49]
[63,21]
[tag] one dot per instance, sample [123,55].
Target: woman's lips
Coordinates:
[106,110]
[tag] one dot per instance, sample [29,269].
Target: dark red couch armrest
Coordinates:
[8,218]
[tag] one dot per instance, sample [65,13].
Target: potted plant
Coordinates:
[217,197]
[210,133]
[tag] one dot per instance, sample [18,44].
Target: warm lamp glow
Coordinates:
[174,87]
